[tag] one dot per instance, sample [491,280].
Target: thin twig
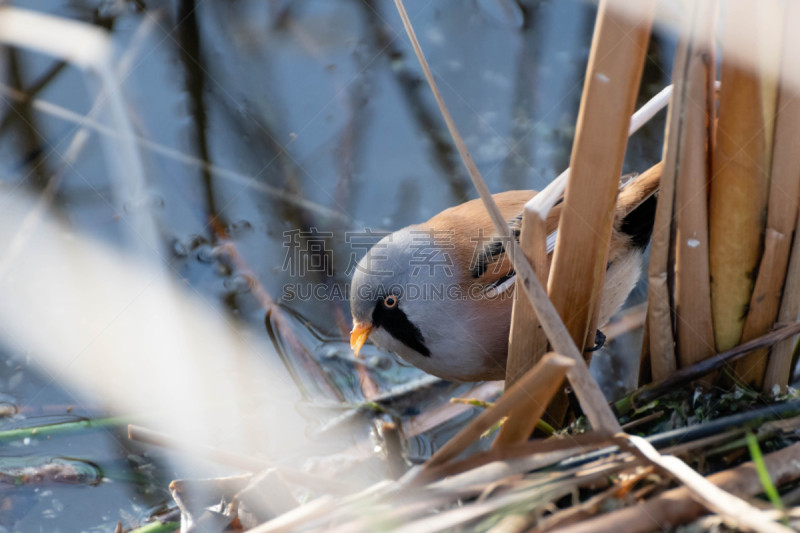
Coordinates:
[650,392]
[239,178]
[578,443]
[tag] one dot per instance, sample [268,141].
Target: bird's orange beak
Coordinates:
[359,336]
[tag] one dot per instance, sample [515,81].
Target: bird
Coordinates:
[439,294]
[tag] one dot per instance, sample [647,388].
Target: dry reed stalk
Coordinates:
[714,523]
[734,509]
[593,505]
[471,481]
[739,184]
[770,61]
[582,443]
[586,388]
[645,365]
[537,387]
[779,369]
[461,516]
[526,340]
[658,340]
[687,153]
[510,524]
[764,300]
[766,305]
[528,411]
[576,277]
[609,96]
[677,506]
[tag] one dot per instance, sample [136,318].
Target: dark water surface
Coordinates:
[278,123]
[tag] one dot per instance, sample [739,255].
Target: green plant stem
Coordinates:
[158,527]
[763,473]
[65,428]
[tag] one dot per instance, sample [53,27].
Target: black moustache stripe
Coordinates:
[400,327]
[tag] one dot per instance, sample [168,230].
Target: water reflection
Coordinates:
[257,119]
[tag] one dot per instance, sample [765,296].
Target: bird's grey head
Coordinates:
[401,298]
[386,292]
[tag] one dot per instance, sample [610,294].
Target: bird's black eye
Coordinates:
[390,301]
[388,315]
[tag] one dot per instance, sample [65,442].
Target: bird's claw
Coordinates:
[599,341]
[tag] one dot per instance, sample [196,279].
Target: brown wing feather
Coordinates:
[465,229]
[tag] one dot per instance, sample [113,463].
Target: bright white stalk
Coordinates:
[543,202]
[90,49]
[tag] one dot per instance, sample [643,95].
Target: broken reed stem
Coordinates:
[586,388]
[650,392]
[681,163]
[299,516]
[687,151]
[529,409]
[734,509]
[594,504]
[779,369]
[659,337]
[782,211]
[739,186]
[539,383]
[615,65]
[765,298]
[764,302]
[582,443]
[579,261]
[526,340]
[465,515]
[677,506]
